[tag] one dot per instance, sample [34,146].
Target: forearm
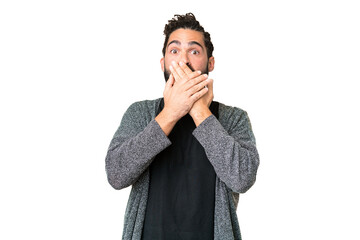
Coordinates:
[235,161]
[128,158]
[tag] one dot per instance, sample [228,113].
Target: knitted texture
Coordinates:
[229,144]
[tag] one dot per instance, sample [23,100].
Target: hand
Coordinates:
[182,90]
[200,109]
[180,96]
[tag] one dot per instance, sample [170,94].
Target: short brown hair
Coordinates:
[187,21]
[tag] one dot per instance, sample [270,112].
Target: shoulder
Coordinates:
[144,105]
[234,119]
[138,115]
[143,111]
[230,113]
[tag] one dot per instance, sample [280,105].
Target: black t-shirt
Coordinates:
[181,195]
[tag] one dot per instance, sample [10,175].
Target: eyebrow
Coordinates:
[177,42]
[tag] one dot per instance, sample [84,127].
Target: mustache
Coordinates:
[167,73]
[191,68]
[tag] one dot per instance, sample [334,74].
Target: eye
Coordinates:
[195,52]
[173,51]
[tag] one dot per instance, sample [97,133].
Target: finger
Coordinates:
[210,85]
[195,81]
[179,71]
[194,74]
[185,68]
[199,86]
[170,82]
[211,91]
[175,74]
[196,96]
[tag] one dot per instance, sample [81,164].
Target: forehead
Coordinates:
[187,35]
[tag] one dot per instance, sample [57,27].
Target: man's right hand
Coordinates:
[179,96]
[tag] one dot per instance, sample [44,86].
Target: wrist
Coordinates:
[166,121]
[200,116]
[170,115]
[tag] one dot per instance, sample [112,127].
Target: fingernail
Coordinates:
[173,62]
[181,63]
[205,75]
[198,71]
[171,68]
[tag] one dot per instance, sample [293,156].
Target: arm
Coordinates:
[232,152]
[133,147]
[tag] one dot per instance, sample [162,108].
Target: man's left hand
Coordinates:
[200,110]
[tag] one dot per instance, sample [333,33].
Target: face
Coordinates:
[188,46]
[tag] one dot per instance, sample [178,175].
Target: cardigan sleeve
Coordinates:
[231,151]
[133,147]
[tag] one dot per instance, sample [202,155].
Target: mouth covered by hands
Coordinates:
[201,89]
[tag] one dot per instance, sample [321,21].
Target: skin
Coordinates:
[186,91]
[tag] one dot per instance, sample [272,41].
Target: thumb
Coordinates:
[210,85]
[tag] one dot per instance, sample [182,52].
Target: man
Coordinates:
[187,157]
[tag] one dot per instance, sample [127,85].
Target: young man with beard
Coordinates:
[186,156]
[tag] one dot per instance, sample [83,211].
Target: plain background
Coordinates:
[69,70]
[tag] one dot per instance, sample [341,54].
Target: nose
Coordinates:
[184,57]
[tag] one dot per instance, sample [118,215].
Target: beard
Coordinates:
[167,72]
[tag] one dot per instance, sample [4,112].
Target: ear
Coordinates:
[211,64]
[162,64]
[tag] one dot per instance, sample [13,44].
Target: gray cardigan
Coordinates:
[229,144]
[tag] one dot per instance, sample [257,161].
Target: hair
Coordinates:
[187,21]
